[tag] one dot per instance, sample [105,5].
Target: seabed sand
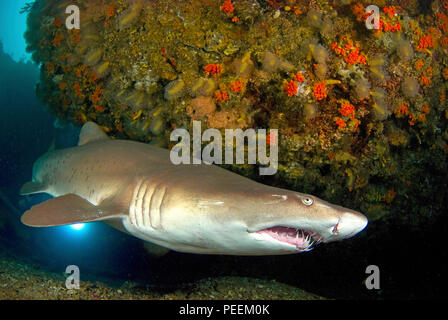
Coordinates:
[22,281]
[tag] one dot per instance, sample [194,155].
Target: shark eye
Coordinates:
[307,201]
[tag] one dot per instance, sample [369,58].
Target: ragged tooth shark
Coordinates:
[188,208]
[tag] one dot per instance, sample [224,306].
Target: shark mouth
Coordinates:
[303,240]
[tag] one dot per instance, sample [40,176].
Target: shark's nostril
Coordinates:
[350,224]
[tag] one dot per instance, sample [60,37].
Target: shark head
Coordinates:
[307,221]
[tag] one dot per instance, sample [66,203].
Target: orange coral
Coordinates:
[418,64]
[349,51]
[236,86]
[221,96]
[388,27]
[78,91]
[341,123]
[422,117]
[355,57]
[391,11]
[357,122]
[96,96]
[402,109]
[76,35]
[347,110]
[291,88]
[110,11]
[213,69]
[299,77]
[57,22]
[320,92]
[412,119]
[424,80]
[359,11]
[337,49]
[227,7]
[425,42]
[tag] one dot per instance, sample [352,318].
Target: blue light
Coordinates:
[77,226]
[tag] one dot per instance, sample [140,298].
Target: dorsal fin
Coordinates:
[90,132]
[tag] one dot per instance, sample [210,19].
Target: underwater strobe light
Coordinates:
[77,226]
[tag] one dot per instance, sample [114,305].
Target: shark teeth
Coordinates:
[303,240]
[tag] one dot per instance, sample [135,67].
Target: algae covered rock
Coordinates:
[362,114]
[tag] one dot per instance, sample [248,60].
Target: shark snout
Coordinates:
[349,224]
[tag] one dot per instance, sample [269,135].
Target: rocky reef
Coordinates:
[362,114]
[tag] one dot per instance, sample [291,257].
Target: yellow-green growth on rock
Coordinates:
[93,56]
[174,89]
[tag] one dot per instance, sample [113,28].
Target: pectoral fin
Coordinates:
[69,209]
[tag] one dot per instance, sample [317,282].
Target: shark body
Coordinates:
[188,208]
